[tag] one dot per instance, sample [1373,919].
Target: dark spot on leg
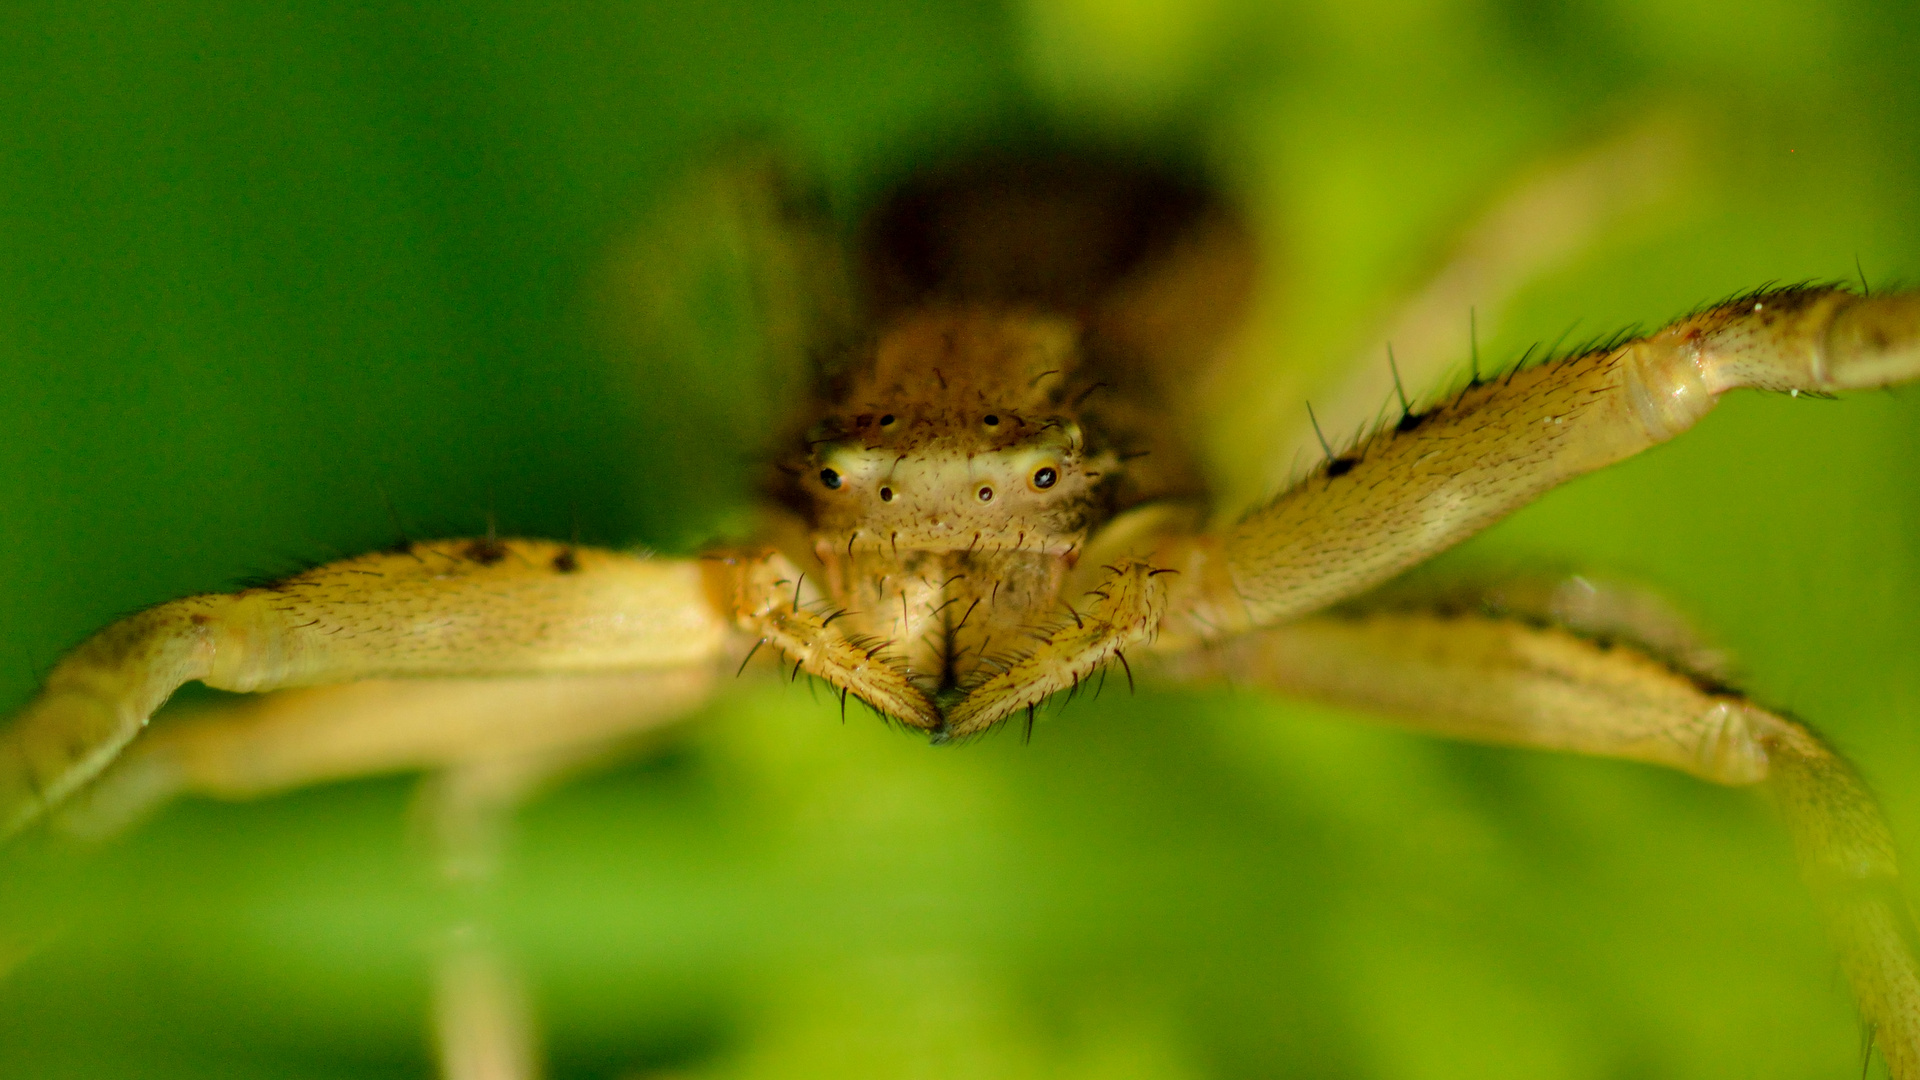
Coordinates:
[1341,466]
[565,563]
[1409,421]
[486,552]
[199,619]
[402,546]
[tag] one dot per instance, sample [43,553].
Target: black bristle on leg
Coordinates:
[750,652]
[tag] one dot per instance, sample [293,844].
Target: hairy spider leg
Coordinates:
[1503,677]
[448,608]
[1430,480]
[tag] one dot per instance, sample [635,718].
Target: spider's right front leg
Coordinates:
[1436,477]
[447,608]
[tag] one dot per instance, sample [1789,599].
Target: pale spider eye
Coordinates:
[993,421]
[986,494]
[886,494]
[830,478]
[1045,477]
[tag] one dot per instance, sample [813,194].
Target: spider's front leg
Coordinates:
[447,608]
[1435,477]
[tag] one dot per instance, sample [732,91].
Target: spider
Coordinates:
[990,496]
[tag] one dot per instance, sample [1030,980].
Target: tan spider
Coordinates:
[991,496]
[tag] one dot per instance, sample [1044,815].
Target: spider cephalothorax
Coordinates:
[952,487]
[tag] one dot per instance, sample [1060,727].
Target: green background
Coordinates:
[265,267]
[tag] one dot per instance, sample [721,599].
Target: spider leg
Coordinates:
[270,743]
[483,1021]
[448,608]
[1552,215]
[742,228]
[492,744]
[483,1026]
[1418,486]
[1519,681]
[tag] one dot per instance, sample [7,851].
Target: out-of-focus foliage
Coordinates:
[265,267]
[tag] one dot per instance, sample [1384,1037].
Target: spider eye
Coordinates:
[886,420]
[886,494]
[1045,477]
[830,478]
[993,421]
[986,494]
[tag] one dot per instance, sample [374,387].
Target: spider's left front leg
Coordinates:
[1417,487]
[1436,477]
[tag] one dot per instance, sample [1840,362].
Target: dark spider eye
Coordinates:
[830,478]
[886,494]
[993,421]
[986,494]
[1045,477]
[887,419]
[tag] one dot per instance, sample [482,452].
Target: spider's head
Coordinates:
[957,440]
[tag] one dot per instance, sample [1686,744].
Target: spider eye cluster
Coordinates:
[895,481]
[994,465]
